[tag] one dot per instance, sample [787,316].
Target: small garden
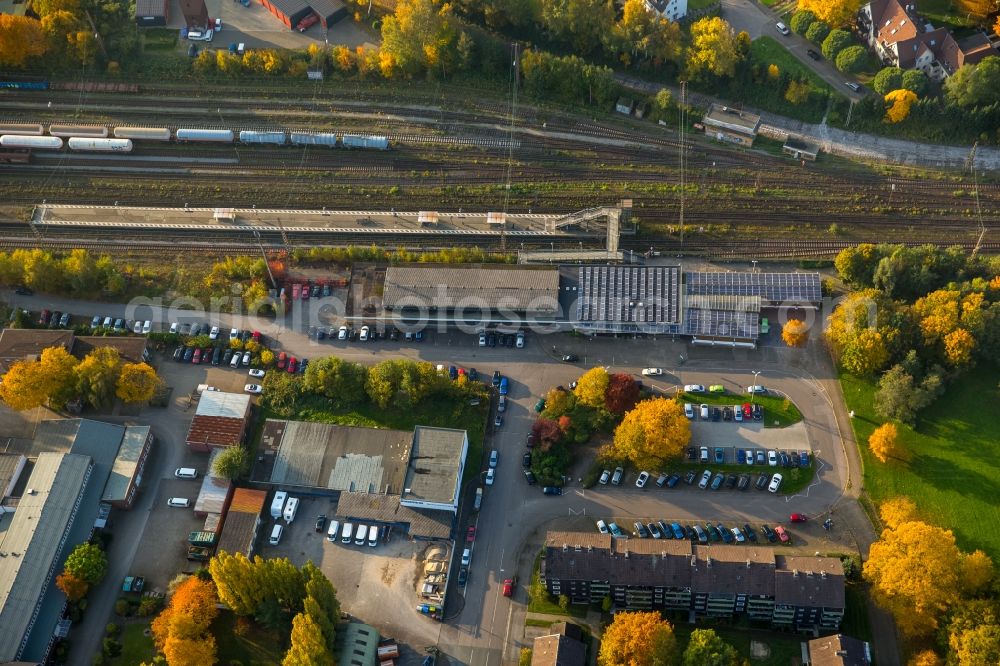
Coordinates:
[779,411]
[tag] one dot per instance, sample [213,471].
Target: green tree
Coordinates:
[887,79]
[835,42]
[524,657]
[87,562]
[801,20]
[321,602]
[235,581]
[82,273]
[797,92]
[975,85]
[232,464]
[713,48]
[852,59]
[97,375]
[902,398]
[705,648]
[419,36]
[341,382]
[307,645]
[817,32]
[581,23]
[915,81]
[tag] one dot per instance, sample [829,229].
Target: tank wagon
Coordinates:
[100,145]
[24,129]
[275,138]
[35,142]
[143,133]
[89,131]
[314,139]
[367,142]
[205,135]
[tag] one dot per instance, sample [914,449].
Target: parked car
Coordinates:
[775,483]
[756,389]
[782,28]
[744,482]
[661,480]
[690,477]
[641,481]
[640,530]
[798,518]
[498,421]
[761,481]
[246,359]
[717,481]
[731,481]
[678,531]
[602,527]
[726,535]
[253,388]
[320,522]
[853,86]
[529,476]
[508,586]
[720,455]
[768,533]
[654,531]
[652,372]
[615,530]
[813,54]
[689,410]
[804,459]
[782,534]
[95,322]
[758,413]
[293,365]
[749,532]
[694,388]
[552,490]
[772,458]
[616,478]
[491,476]
[256,372]
[605,477]
[570,358]
[738,535]
[494,458]
[672,481]
[703,454]
[179,502]
[706,476]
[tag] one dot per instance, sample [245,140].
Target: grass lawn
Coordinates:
[540,601]
[785,648]
[700,4]
[532,622]
[258,646]
[159,39]
[953,476]
[136,647]
[767,50]
[778,411]
[944,12]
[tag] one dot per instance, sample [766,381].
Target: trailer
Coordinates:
[275,138]
[143,133]
[207,135]
[35,142]
[366,142]
[89,131]
[201,538]
[314,139]
[101,145]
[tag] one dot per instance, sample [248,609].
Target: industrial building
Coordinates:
[289,12]
[27,344]
[724,581]
[242,522]
[725,123]
[220,421]
[126,472]
[329,11]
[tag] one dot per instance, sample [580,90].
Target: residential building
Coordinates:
[839,650]
[725,123]
[356,644]
[801,593]
[672,10]
[195,14]
[563,647]
[27,344]
[220,421]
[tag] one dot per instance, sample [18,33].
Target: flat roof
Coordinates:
[434,465]
[770,287]
[726,117]
[353,638]
[558,650]
[220,403]
[336,457]
[11,465]
[644,295]
[424,523]
[220,419]
[123,469]
[214,490]
[809,581]
[20,344]
[517,288]
[36,531]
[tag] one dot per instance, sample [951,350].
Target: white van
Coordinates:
[278,503]
[275,535]
[331,533]
[373,536]
[347,533]
[291,508]
[704,412]
[186,473]
[361,536]
[689,410]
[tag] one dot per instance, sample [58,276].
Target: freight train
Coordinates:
[97,137]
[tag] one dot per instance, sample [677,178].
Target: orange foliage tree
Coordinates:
[181,630]
[73,587]
[21,38]
[885,444]
[795,333]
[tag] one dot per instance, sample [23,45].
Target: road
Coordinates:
[484,631]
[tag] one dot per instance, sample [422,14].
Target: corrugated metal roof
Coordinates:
[220,403]
[246,500]
[239,532]
[387,509]
[514,288]
[11,465]
[326,8]
[33,539]
[219,420]
[123,469]
[214,490]
[432,474]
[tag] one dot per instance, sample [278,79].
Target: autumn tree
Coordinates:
[180,631]
[795,333]
[975,573]
[21,39]
[797,92]
[307,645]
[419,36]
[977,646]
[638,639]
[652,433]
[642,35]
[866,354]
[591,387]
[958,347]
[97,375]
[622,394]
[913,574]
[339,381]
[896,511]
[834,12]
[558,402]
[713,48]
[74,588]
[546,432]
[235,580]
[706,648]
[581,23]
[898,103]
[23,387]
[87,562]
[181,651]
[884,443]
[980,9]
[137,382]
[925,658]
[232,464]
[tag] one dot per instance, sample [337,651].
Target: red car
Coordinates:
[747,410]
[44,318]
[508,586]
[798,518]
[196,359]
[470,535]
[782,534]
[256,337]
[282,360]
[293,365]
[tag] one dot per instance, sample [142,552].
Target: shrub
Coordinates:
[111,629]
[801,20]
[915,81]
[888,78]
[564,602]
[852,59]
[111,648]
[835,42]
[123,607]
[817,32]
[149,606]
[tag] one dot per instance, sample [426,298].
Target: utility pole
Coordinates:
[979,210]
[683,122]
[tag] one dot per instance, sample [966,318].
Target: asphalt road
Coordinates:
[483,631]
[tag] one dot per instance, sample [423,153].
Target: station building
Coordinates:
[725,123]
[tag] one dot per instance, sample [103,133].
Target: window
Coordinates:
[360,653]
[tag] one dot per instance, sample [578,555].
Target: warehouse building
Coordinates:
[328,11]
[149,13]
[724,123]
[243,521]
[289,12]
[126,472]
[195,14]
[219,422]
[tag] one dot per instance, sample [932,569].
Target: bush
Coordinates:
[149,606]
[111,629]
[817,32]
[888,79]
[606,604]
[852,59]
[123,608]
[112,648]
[564,602]
[835,42]
[801,20]
[915,80]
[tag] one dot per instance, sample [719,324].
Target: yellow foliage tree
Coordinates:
[899,103]
[137,382]
[592,386]
[652,433]
[186,620]
[190,651]
[21,38]
[24,386]
[797,92]
[897,511]
[913,574]
[884,443]
[977,646]
[58,369]
[925,658]
[980,9]
[835,12]
[713,48]
[307,645]
[866,354]
[795,333]
[996,27]
[958,347]
[773,72]
[939,313]
[637,639]
[976,572]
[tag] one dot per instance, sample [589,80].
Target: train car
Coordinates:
[276,138]
[210,135]
[35,142]
[15,155]
[367,142]
[89,131]
[24,82]
[23,129]
[100,145]
[143,133]
[314,139]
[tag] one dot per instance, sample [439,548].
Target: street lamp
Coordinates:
[753,393]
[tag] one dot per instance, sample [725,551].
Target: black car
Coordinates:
[744,481]
[570,358]
[784,460]
[316,290]
[530,476]
[394,335]
[321,334]
[491,340]
[54,322]
[716,413]
[227,357]
[812,54]
[217,356]
[23,291]
[727,536]
[188,354]
[320,522]
[496,378]
[552,490]
[768,533]
[758,413]
[690,533]
[731,481]
[692,453]
[761,482]
[749,532]
[463,575]
[690,477]
[526,459]
[179,354]
[727,413]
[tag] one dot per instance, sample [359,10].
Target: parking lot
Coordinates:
[375,584]
[162,550]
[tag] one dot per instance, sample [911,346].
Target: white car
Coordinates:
[466,557]
[756,388]
[652,372]
[174,327]
[234,333]
[689,410]
[256,372]
[738,534]
[694,388]
[772,458]
[494,458]
[147,326]
[218,24]
[137,327]
[364,334]
[641,481]
[775,483]
[605,476]
[602,527]
[179,502]
[490,476]
[214,334]
[706,476]
[246,358]
[482,339]
[253,388]
[782,28]
[342,333]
